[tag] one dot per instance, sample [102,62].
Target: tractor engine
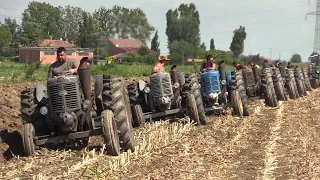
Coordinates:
[210,86]
[161,90]
[64,94]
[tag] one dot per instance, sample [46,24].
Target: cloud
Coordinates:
[2,11]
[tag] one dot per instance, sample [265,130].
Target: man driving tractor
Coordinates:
[209,64]
[238,66]
[63,63]
[159,66]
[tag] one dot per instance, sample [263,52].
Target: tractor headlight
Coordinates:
[176,85]
[146,89]
[86,103]
[223,82]
[44,110]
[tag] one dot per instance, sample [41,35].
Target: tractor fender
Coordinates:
[41,94]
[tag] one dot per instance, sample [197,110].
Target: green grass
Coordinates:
[16,72]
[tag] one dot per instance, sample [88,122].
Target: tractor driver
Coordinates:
[210,64]
[63,63]
[238,66]
[277,64]
[159,66]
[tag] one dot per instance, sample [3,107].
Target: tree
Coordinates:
[123,23]
[5,38]
[182,48]
[47,17]
[237,44]
[72,16]
[203,46]
[155,42]
[144,50]
[212,44]
[31,34]
[296,58]
[183,24]
[88,32]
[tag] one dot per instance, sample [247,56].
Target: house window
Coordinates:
[83,54]
[49,53]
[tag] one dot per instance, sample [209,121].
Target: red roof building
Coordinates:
[119,47]
[56,43]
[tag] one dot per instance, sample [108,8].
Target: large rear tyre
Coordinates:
[28,134]
[268,88]
[236,103]
[237,83]
[192,108]
[114,99]
[30,110]
[110,133]
[192,86]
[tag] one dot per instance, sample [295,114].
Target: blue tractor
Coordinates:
[221,89]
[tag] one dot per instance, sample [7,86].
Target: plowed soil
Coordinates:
[272,143]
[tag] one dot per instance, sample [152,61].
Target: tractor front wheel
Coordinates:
[192,108]
[28,134]
[138,117]
[236,103]
[110,133]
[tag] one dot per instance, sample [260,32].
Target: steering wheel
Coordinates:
[63,73]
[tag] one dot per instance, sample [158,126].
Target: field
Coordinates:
[272,143]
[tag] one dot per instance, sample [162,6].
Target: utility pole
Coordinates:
[270,53]
[316,45]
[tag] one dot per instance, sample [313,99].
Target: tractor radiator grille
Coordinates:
[64,97]
[160,84]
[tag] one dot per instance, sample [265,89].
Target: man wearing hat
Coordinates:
[159,66]
[266,63]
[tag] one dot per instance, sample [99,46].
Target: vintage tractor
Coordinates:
[258,83]
[314,70]
[166,94]
[220,91]
[67,110]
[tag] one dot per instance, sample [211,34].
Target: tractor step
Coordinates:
[47,139]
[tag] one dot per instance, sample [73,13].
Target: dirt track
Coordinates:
[281,143]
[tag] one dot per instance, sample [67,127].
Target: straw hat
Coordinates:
[163,57]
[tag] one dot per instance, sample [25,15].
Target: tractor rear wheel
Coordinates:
[136,98]
[30,110]
[269,92]
[192,86]
[236,103]
[278,85]
[114,99]
[290,84]
[237,83]
[192,108]
[28,134]
[299,82]
[110,133]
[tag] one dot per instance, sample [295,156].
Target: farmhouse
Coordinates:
[120,47]
[47,51]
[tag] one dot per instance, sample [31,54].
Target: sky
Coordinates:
[275,29]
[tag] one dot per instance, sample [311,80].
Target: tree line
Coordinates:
[91,30]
